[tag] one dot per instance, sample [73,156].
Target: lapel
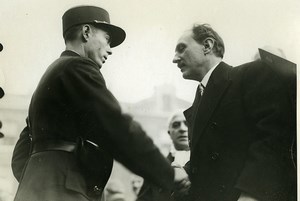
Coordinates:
[190,114]
[216,86]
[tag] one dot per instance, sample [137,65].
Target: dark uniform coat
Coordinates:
[150,192]
[72,100]
[240,134]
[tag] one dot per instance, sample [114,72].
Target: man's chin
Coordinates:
[185,75]
[99,64]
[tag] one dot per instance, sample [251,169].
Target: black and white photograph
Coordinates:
[139,100]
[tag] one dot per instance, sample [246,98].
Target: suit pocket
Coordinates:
[230,103]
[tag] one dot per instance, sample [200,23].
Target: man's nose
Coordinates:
[176,59]
[109,51]
[183,127]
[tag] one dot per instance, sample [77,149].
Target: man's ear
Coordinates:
[86,31]
[208,44]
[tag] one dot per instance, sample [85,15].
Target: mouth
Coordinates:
[182,138]
[104,59]
[181,66]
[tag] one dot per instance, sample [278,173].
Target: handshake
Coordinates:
[181,181]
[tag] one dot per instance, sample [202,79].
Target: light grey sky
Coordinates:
[31,33]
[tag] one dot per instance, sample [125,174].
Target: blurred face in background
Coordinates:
[178,132]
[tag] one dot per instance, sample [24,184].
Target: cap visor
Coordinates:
[117,34]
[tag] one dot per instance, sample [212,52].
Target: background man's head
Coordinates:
[178,131]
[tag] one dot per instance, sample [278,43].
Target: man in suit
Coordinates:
[178,155]
[240,124]
[71,103]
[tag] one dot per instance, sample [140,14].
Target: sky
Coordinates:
[31,35]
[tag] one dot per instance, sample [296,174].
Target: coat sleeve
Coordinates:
[145,193]
[268,173]
[124,138]
[21,153]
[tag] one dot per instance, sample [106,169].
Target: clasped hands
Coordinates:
[181,180]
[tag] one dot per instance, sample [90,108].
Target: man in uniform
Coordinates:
[72,114]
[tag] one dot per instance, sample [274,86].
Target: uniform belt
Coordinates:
[54,146]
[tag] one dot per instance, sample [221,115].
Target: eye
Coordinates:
[185,123]
[175,124]
[180,48]
[108,38]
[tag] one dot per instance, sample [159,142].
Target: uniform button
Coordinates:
[97,190]
[215,155]
[213,125]
[222,188]
[194,170]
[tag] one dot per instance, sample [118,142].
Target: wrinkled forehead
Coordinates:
[185,37]
[177,117]
[185,40]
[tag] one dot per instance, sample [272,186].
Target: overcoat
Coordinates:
[240,133]
[71,101]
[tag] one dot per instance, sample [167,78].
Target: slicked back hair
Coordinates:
[72,33]
[204,31]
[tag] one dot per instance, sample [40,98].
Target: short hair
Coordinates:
[173,115]
[204,31]
[72,33]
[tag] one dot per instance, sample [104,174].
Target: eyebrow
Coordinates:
[179,46]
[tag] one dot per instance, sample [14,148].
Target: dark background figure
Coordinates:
[1,92]
[76,125]
[179,154]
[1,96]
[241,124]
[1,134]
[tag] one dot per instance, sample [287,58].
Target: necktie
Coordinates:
[201,89]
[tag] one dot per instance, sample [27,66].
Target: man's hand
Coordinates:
[182,182]
[246,197]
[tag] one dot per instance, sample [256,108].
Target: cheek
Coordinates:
[172,135]
[193,58]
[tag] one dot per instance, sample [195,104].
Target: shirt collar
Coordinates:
[207,76]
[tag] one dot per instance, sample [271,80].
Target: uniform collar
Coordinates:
[69,53]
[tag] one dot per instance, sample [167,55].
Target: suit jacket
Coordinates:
[71,101]
[240,135]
